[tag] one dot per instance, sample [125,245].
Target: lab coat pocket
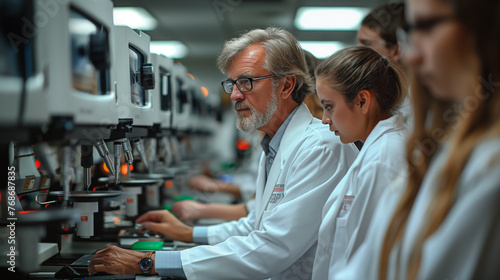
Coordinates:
[266,214]
[341,237]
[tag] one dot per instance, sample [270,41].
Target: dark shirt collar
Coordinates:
[270,145]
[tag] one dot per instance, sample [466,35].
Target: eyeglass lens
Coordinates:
[243,84]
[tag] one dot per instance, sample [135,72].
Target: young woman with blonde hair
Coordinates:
[360,92]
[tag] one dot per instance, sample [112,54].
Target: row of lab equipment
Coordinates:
[96,129]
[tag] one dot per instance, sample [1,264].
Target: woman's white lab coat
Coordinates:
[466,245]
[278,239]
[348,211]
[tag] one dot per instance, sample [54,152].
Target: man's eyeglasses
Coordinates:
[243,84]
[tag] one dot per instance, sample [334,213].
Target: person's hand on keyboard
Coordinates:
[116,260]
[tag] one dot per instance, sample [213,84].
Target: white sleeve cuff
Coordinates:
[200,235]
[168,263]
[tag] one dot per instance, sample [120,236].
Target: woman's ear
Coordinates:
[364,100]
[288,86]
[395,52]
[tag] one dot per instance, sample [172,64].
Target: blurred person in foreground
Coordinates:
[443,221]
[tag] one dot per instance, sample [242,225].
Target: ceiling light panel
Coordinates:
[136,18]
[329,18]
[322,49]
[172,49]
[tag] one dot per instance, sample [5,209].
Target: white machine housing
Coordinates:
[162,103]
[133,101]
[65,82]
[14,44]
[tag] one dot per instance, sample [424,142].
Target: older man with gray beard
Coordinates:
[301,164]
[256,119]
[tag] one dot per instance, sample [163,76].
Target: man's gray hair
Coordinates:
[284,57]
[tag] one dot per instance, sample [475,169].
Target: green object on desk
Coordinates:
[183,197]
[167,207]
[148,246]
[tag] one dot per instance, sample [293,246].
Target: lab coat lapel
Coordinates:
[393,123]
[274,173]
[295,129]
[261,183]
[338,202]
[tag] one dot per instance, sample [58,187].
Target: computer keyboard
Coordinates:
[83,261]
[77,272]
